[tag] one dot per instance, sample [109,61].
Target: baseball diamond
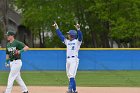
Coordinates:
[69,46]
[87,81]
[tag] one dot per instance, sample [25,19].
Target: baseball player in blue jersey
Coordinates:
[73,44]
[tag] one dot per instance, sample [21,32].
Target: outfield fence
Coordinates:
[42,59]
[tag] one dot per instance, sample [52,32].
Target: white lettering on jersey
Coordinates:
[11,49]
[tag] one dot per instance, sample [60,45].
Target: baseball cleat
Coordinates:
[69,92]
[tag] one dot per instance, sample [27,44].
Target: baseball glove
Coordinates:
[16,54]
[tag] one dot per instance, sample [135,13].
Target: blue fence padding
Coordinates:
[89,60]
[2,59]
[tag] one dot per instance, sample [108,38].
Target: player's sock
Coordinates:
[74,85]
[70,84]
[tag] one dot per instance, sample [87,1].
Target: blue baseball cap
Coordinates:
[72,32]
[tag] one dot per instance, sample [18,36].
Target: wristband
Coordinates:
[56,27]
[7,60]
[78,28]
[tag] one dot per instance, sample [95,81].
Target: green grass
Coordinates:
[83,78]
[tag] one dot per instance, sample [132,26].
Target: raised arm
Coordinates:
[59,33]
[79,33]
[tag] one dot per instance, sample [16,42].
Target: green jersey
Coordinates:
[12,47]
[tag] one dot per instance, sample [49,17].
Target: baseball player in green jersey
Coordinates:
[14,49]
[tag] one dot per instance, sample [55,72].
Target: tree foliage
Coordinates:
[102,21]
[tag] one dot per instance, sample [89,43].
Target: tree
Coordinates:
[102,21]
[122,17]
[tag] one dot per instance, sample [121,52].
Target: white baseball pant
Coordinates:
[14,74]
[71,67]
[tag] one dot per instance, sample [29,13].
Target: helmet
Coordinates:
[72,32]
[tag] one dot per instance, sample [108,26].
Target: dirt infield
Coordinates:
[46,89]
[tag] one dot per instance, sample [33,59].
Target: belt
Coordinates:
[14,59]
[71,56]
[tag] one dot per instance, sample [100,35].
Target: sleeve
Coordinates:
[60,35]
[79,43]
[80,36]
[20,45]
